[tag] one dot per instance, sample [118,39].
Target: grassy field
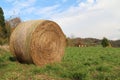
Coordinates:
[90,63]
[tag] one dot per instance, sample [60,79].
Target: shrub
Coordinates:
[105,42]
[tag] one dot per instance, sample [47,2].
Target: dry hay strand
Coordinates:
[38,41]
[4,47]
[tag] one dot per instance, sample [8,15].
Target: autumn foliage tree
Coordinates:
[14,22]
[11,24]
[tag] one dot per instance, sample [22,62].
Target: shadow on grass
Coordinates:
[78,76]
[13,59]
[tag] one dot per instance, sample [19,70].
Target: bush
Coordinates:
[105,42]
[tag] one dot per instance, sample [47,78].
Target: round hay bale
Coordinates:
[38,41]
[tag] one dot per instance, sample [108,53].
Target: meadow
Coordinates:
[87,63]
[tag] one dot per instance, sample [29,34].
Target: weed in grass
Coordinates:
[103,68]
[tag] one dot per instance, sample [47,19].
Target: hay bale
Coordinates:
[38,41]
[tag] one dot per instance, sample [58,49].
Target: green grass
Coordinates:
[89,63]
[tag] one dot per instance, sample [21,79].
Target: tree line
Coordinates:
[6,27]
[86,42]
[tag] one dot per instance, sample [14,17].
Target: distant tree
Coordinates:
[11,25]
[3,30]
[105,42]
[70,42]
[14,22]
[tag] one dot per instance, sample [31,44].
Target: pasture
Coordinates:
[87,63]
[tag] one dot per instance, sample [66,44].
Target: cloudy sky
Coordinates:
[78,18]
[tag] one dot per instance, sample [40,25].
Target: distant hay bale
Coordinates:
[38,41]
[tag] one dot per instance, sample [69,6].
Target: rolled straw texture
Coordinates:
[38,41]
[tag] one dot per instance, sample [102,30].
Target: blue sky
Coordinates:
[78,18]
[35,9]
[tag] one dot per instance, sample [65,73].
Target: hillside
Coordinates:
[91,42]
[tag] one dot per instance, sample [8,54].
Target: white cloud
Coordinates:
[91,20]
[19,7]
[47,10]
[90,1]
[21,3]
